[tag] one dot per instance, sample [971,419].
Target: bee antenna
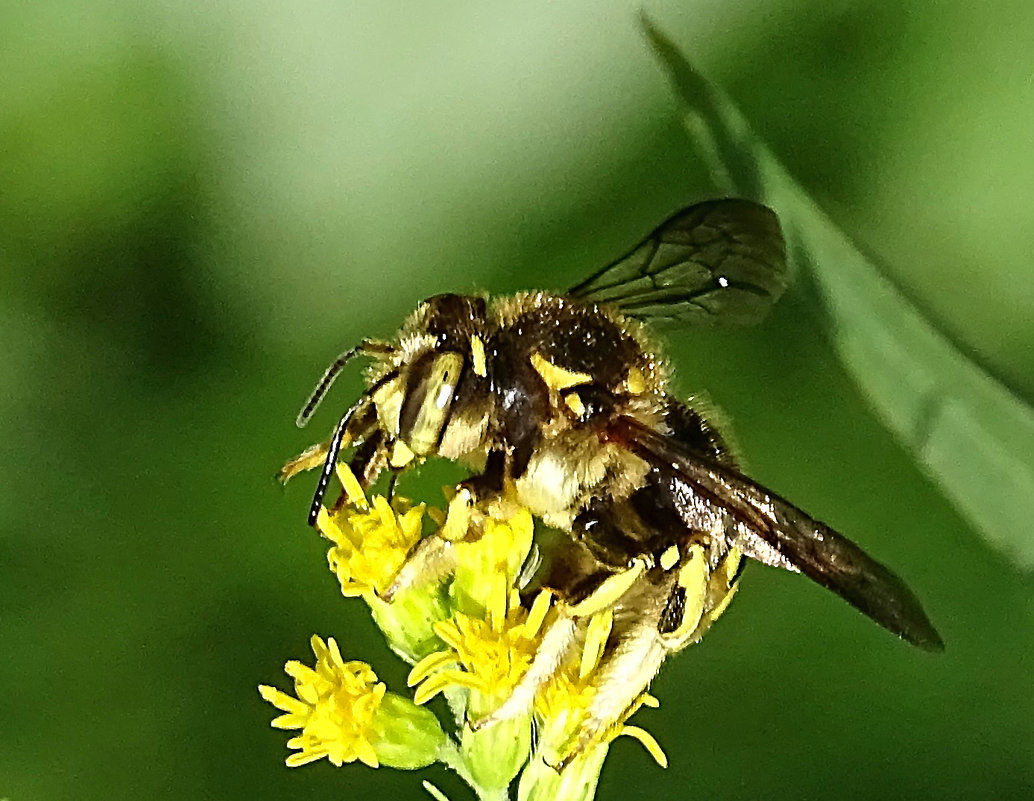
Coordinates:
[333,450]
[364,348]
[324,384]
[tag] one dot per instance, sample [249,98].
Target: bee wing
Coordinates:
[774,531]
[721,261]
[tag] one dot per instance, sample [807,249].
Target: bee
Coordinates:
[561,403]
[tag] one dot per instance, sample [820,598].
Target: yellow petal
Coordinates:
[428,665]
[351,485]
[651,745]
[537,615]
[429,689]
[303,758]
[365,753]
[596,635]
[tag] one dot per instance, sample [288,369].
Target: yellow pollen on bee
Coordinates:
[401,455]
[477,353]
[574,403]
[557,378]
[636,381]
[670,558]
[730,566]
[457,519]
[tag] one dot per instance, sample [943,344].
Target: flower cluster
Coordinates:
[445,589]
[345,715]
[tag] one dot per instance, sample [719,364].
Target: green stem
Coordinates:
[451,756]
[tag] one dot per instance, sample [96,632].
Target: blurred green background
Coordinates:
[200,205]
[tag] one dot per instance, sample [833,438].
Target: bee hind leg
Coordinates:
[550,655]
[660,614]
[622,678]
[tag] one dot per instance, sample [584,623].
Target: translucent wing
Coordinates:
[721,261]
[774,531]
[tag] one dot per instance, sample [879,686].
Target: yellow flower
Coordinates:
[345,715]
[487,656]
[334,708]
[487,566]
[371,541]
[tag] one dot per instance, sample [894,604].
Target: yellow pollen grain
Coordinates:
[457,520]
[401,455]
[574,403]
[477,352]
[636,381]
[557,378]
[670,558]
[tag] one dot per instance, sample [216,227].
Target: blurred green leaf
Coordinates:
[969,432]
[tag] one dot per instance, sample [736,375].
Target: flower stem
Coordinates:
[451,756]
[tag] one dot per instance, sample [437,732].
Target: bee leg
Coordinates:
[393,481]
[551,653]
[674,603]
[434,557]
[430,560]
[316,455]
[623,677]
[312,457]
[490,481]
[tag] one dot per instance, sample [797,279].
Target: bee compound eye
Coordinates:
[430,389]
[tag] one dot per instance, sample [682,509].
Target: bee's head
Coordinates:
[439,374]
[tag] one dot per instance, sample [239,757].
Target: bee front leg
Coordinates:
[312,457]
[316,455]
[434,557]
